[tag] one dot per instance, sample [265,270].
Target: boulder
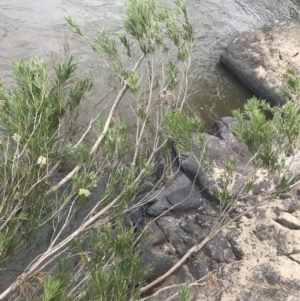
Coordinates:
[224,126]
[220,151]
[155,262]
[181,195]
[257,58]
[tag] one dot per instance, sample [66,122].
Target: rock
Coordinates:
[158,208]
[288,220]
[219,250]
[198,268]
[204,221]
[256,57]
[251,200]
[198,175]
[184,275]
[260,213]
[284,196]
[261,187]
[189,224]
[261,279]
[259,257]
[220,152]
[224,128]
[175,235]
[256,257]
[295,257]
[155,236]
[156,262]
[179,196]
[236,249]
[283,240]
[290,204]
[137,214]
[185,199]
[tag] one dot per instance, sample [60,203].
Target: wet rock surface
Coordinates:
[256,257]
[258,57]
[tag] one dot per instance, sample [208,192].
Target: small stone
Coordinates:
[219,250]
[185,199]
[289,221]
[158,208]
[260,213]
[284,196]
[198,268]
[155,236]
[296,257]
[175,235]
[156,261]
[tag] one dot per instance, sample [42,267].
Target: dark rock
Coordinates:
[183,275]
[137,209]
[204,221]
[263,232]
[165,199]
[284,196]
[175,235]
[254,58]
[210,209]
[251,200]
[220,152]
[198,268]
[219,250]
[137,219]
[291,205]
[236,249]
[199,176]
[260,213]
[155,236]
[185,199]
[244,65]
[223,128]
[288,220]
[158,208]
[135,216]
[270,275]
[276,210]
[260,188]
[156,262]
[188,224]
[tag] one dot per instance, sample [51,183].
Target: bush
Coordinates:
[272,133]
[99,259]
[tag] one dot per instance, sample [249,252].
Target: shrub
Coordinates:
[100,258]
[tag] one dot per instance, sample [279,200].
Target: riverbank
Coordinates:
[246,249]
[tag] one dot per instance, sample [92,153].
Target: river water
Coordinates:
[37,27]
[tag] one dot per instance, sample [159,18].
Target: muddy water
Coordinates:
[37,27]
[32,27]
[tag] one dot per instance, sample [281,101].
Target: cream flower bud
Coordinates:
[84,192]
[16,137]
[41,161]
